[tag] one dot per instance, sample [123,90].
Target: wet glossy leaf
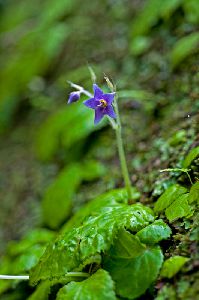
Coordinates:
[99,287]
[100,205]
[74,248]
[154,232]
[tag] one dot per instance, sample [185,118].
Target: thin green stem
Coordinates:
[121,152]
[178,170]
[26,277]
[14,277]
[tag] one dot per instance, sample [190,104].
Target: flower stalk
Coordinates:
[122,157]
[14,277]
[26,277]
[106,105]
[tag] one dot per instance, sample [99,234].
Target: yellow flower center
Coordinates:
[103,103]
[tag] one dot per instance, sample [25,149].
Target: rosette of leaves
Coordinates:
[120,238]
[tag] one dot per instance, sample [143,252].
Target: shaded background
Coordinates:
[51,153]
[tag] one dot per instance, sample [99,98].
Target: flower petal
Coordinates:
[91,103]
[73,97]
[98,93]
[99,113]
[110,112]
[109,97]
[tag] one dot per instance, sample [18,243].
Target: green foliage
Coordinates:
[166,293]
[28,60]
[58,198]
[173,265]
[179,208]
[65,128]
[140,44]
[183,48]
[154,232]
[39,44]
[191,9]
[32,238]
[133,276]
[23,255]
[42,292]
[99,287]
[103,226]
[169,196]
[100,205]
[193,154]
[194,193]
[72,250]
[127,246]
[177,138]
[153,10]
[132,264]
[175,203]
[51,134]
[137,94]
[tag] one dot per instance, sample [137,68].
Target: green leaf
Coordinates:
[134,276]
[154,232]
[139,45]
[29,62]
[169,196]
[24,57]
[97,287]
[194,193]
[39,236]
[24,262]
[58,198]
[92,169]
[172,266]
[191,8]
[42,292]
[177,138]
[183,48]
[100,205]
[152,11]
[72,250]
[193,154]
[127,245]
[137,94]
[178,209]
[66,127]
[22,255]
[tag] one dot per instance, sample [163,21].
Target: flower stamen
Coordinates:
[103,103]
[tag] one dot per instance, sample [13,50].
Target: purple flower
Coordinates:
[73,97]
[101,103]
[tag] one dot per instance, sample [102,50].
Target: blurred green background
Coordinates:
[53,158]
